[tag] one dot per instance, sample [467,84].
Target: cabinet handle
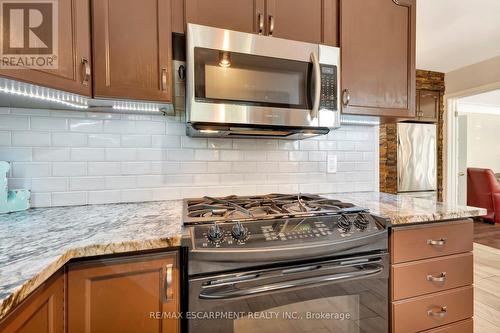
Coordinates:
[271,25]
[440,278]
[438,242]
[346,97]
[85,71]
[261,23]
[163,79]
[441,313]
[168,282]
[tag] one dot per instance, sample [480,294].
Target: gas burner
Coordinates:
[361,222]
[344,224]
[269,206]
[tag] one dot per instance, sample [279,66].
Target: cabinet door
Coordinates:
[42,312]
[73,53]
[377,39]
[428,105]
[295,19]
[121,295]
[132,43]
[238,15]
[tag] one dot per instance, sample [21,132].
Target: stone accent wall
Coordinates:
[426,80]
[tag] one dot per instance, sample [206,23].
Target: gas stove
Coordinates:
[277,227]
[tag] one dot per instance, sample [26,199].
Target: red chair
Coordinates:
[483,190]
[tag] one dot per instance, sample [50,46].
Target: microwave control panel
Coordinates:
[328,88]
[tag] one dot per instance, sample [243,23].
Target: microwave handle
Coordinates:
[317,85]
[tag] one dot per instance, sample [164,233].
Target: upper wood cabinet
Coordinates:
[132,49]
[122,294]
[313,21]
[377,39]
[428,105]
[73,70]
[41,312]
[239,15]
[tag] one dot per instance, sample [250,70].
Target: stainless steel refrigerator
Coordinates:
[417,159]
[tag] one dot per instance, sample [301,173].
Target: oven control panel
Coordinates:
[328,88]
[286,231]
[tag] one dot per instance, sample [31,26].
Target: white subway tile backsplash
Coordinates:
[51,154]
[103,140]
[85,125]
[136,141]
[122,182]
[86,183]
[161,168]
[10,154]
[87,154]
[49,184]
[277,156]
[14,122]
[119,126]
[30,169]
[188,142]
[41,199]
[181,155]
[69,198]
[219,167]
[103,197]
[104,168]
[299,156]
[309,145]
[69,140]
[137,195]
[71,158]
[69,169]
[151,154]
[121,154]
[206,155]
[153,127]
[5,138]
[166,141]
[49,124]
[220,143]
[30,139]
[135,168]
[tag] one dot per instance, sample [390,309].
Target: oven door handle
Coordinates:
[317,86]
[233,292]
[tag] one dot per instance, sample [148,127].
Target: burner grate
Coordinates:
[268,206]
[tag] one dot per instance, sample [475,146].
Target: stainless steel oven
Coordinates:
[241,84]
[348,295]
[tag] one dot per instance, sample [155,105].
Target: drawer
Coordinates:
[431,275]
[430,311]
[464,326]
[431,241]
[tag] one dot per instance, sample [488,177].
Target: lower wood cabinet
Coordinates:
[130,294]
[431,277]
[41,312]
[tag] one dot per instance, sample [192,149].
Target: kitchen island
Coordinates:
[37,243]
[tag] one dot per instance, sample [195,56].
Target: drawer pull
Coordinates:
[440,278]
[168,282]
[441,313]
[436,242]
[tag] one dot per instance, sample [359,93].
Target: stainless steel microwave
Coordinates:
[246,85]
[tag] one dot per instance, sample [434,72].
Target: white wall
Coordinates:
[483,141]
[474,77]
[75,158]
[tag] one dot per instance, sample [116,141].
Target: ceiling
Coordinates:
[455,33]
[490,98]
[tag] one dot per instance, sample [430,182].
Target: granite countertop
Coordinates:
[36,243]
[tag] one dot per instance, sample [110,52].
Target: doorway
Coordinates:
[473,131]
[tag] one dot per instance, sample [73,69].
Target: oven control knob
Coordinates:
[239,232]
[215,234]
